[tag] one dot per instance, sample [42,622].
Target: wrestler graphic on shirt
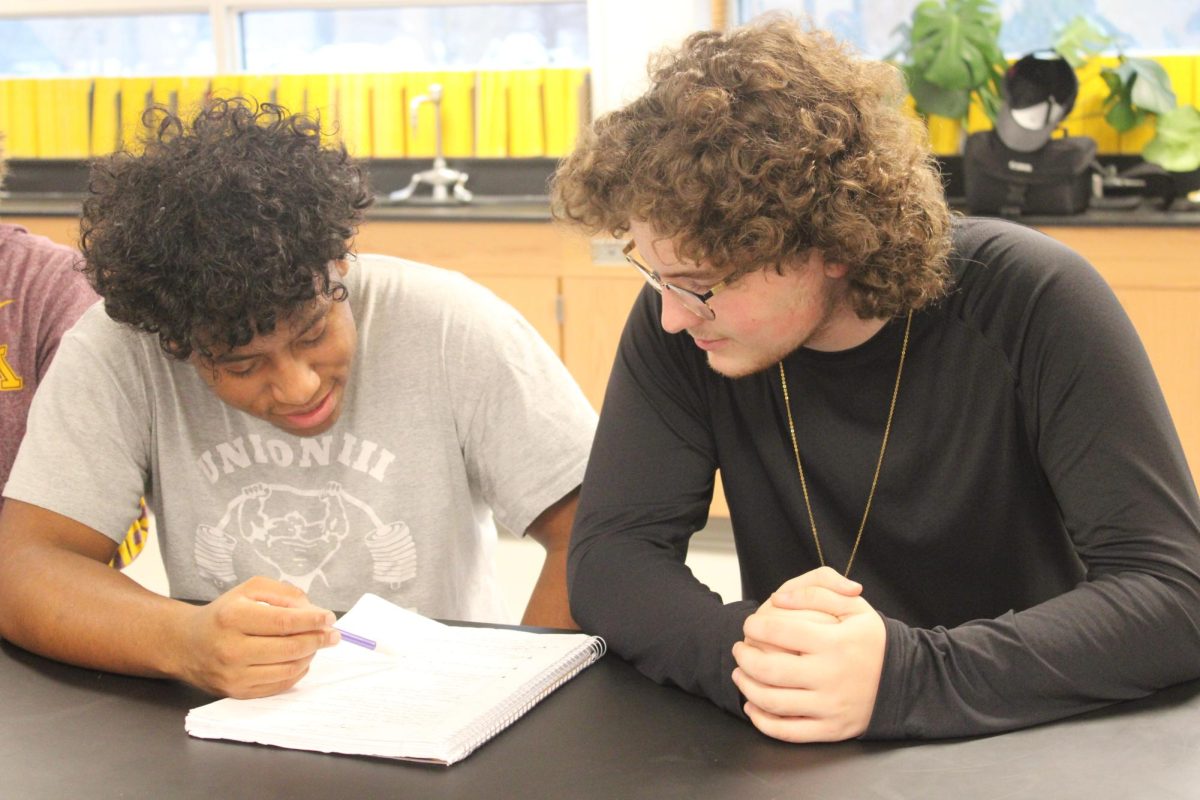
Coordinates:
[298,532]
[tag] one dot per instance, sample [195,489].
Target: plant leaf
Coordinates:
[1124,117]
[950,67]
[933,99]
[1081,39]
[954,42]
[1122,113]
[1151,86]
[1113,80]
[1176,142]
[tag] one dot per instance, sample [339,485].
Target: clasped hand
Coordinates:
[810,664]
[255,640]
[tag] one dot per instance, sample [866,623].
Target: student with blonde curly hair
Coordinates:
[958,500]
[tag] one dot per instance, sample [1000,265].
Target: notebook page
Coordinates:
[414,701]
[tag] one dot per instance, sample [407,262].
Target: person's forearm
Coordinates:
[548,607]
[1114,638]
[256,639]
[72,608]
[654,613]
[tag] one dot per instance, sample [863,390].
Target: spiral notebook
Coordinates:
[428,692]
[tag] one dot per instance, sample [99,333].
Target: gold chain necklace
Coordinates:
[887,429]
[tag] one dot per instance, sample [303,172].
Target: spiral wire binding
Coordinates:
[501,716]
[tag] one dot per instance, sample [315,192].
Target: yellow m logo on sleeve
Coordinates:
[10,381]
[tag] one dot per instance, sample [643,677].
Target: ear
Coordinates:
[834,269]
[342,266]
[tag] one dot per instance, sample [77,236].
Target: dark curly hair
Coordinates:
[754,147]
[222,226]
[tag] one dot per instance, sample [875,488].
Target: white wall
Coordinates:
[623,33]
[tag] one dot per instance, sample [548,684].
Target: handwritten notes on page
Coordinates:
[428,692]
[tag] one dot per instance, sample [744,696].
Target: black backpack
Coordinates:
[1054,179]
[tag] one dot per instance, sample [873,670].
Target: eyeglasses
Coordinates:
[693,302]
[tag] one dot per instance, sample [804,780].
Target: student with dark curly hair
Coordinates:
[307,424]
[958,500]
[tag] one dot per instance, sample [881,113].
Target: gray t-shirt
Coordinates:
[455,410]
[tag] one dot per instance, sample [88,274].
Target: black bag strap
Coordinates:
[1014,199]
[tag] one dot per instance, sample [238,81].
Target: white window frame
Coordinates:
[222,13]
[621,33]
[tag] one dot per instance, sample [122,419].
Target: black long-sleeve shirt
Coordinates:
[1034,541]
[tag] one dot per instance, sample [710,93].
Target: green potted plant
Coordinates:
[950,53]
[1139,90]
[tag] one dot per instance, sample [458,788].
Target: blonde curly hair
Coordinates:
[751,148]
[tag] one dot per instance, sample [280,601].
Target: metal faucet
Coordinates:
[440,176]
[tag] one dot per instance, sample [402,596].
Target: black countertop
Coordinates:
[534,208]
[484,208]
[515,190]
[609,732]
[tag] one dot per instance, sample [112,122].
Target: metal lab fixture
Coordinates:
[440,176]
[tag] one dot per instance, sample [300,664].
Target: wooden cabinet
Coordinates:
[64,230]
[521,262]
[546,272]
[596,304]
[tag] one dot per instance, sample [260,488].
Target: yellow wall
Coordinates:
[485,114]
[536,112]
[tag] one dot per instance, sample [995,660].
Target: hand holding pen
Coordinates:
[257,639]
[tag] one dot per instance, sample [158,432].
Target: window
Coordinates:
[149,44]
[415,38]
[1174,25]
[52,38]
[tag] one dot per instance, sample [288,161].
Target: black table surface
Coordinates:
[609,733]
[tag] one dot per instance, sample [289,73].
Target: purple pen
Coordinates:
[354,638]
